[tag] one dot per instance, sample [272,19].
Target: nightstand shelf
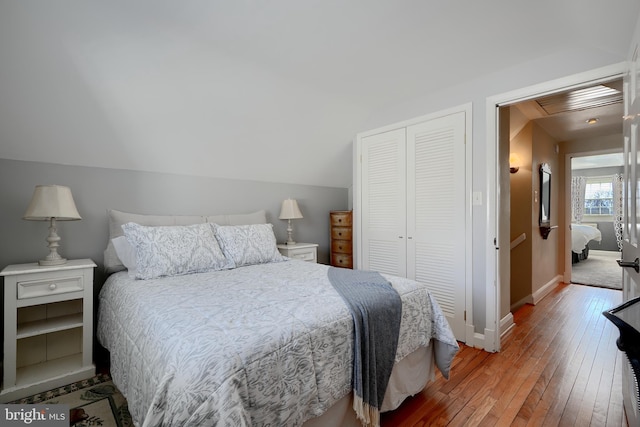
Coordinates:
[48,327]
[62,369]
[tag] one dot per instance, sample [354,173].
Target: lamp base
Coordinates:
[54,257]
[289,235]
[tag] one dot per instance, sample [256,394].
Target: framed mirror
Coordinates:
[545,195]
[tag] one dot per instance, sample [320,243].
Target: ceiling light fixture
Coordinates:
[592,121]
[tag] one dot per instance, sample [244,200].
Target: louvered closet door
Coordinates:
[436,212]
[384,203]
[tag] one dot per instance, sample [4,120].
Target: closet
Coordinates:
[414,207]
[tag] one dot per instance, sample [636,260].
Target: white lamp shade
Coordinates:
[52,201]
[290,210]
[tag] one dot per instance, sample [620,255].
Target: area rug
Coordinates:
[599,269]
[93,402]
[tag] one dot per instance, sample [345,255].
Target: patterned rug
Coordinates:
[93,402]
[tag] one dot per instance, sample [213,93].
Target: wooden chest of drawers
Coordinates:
[341,224]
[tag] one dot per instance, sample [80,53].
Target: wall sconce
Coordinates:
[514,163]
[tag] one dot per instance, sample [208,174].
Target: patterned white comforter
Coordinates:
[268,344]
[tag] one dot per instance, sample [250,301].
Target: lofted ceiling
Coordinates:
[267,91]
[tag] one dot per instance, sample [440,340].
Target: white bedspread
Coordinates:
[267,344]
[581,235]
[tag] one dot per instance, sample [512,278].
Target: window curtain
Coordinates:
[578,185]
[617,208]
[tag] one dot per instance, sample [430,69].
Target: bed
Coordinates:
[581,235]
[259,343]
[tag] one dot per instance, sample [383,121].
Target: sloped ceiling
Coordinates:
[269,91]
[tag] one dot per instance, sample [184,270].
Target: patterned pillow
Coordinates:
[248,244]
[175,250]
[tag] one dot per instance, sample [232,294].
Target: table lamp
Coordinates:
[289,211]
[52,203]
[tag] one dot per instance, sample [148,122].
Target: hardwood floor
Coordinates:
[559,366]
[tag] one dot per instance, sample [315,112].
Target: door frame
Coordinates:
[567,191]
[467,108]
[493,285]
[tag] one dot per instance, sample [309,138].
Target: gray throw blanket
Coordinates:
[376,309]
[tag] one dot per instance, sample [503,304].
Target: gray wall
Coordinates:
[609,242]
[95,190]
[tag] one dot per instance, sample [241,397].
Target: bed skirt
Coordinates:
[409,376]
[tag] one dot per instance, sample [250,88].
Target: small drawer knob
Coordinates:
[52,286]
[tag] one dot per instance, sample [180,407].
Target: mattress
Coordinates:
[267,344]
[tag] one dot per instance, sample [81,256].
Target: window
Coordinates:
[598,196]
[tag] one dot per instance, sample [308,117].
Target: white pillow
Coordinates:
[175,250]
[126,253]
[248,244]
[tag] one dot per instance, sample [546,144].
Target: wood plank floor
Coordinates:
[559,366]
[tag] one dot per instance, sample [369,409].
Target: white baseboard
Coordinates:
[478,341]
[539,294]
[544,291]
[470,335]
[506,324]
[488,341]
[516,305]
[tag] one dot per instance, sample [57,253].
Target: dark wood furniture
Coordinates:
[341,223]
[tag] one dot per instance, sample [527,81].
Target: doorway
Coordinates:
[596,228]
[540,131]
[499,301]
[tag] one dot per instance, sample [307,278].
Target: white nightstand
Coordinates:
[48,327]
[303,251]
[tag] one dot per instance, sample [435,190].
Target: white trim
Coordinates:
[489,340]
[518,304]
[492,103]
[470,330]
[567,211]
[506,324]
[478,341]
[546,289]
[534,298]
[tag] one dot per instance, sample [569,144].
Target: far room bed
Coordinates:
[581,235]
[257,339]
